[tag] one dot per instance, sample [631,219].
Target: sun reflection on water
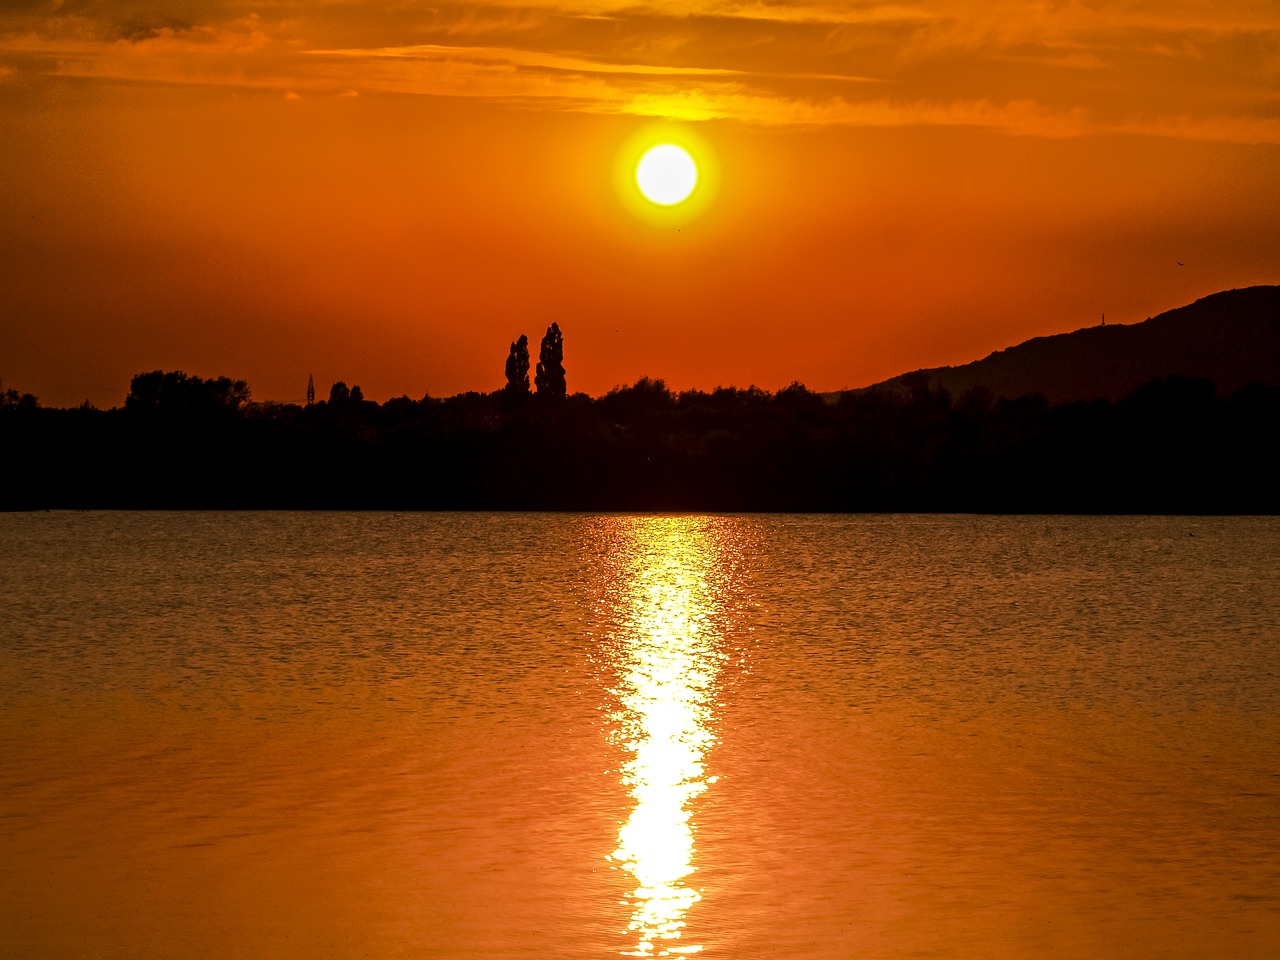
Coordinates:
[667,664]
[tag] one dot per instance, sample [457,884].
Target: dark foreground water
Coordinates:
[533,736]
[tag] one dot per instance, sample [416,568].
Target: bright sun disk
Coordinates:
[666,174]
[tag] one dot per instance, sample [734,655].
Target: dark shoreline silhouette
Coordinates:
[1175,444]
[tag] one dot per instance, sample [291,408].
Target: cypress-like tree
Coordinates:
[518,368]
[550,375]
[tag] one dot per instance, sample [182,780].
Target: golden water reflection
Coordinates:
[666,662]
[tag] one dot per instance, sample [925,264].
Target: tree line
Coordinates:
[1173,446]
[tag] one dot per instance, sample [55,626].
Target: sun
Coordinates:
[666,174]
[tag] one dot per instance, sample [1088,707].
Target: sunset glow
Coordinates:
[389,196]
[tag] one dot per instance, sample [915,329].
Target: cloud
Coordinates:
[517,58]
[1022,118]
[1221,129]
[239,37]
[1048,69]
[815,13]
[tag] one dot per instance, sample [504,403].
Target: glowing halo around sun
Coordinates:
[666,174]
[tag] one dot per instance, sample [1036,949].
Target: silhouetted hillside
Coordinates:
[1231,338]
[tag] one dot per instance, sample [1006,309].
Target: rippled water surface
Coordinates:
[531,736]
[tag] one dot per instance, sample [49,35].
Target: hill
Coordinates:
[1231,338]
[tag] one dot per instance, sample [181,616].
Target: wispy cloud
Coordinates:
[1152,69]
[521,58]
[1022,118]
[1223,129]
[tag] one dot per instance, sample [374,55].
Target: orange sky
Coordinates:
[390,193]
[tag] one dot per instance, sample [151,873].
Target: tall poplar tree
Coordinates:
[550,375]
[518,368]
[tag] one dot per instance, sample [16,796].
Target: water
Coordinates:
[526,736]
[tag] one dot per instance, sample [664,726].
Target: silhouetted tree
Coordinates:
[339,393]
[647,398]
[357,395]
[550,375]
[175,393]
[799,400]
[518,368]
[13,400]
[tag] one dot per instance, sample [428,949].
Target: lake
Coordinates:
[290,735]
